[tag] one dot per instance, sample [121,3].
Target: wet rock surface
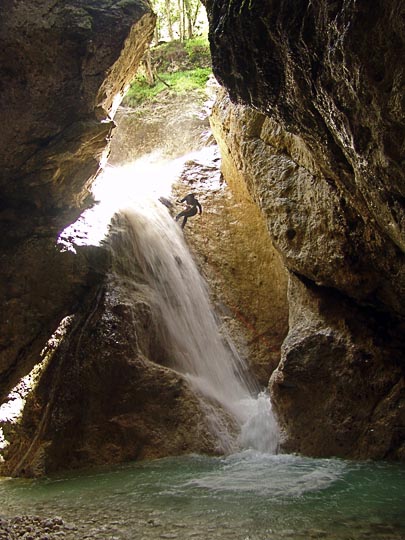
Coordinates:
[247,279]
[340,378]
[62,65]
[104,396]
[229,240]
[246,276]
[317,154]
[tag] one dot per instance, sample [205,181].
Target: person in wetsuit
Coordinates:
[193,206]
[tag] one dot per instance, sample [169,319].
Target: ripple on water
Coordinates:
[270,476]
[246,496]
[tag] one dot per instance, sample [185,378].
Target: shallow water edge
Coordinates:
[246,496]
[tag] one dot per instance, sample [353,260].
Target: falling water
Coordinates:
[193,340]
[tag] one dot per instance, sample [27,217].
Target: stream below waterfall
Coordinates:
[245,496]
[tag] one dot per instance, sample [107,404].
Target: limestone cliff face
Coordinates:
[332,73]
[321,156]
[62,65]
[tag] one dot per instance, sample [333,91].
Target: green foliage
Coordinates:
[183,81]
[179,82]
[182,55]
[198,50]
[178,67]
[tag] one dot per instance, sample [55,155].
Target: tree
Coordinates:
[168,13]
[176,19]
[192,14]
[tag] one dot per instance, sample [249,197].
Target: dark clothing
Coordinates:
[191,201]
[193,206]
[189,212]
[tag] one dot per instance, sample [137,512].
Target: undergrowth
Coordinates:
[178,68]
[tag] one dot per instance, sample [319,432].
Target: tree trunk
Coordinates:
[183,13]
[156,35]
[181,19]
[147,61]
[197,9]
[169,19]
[190,26]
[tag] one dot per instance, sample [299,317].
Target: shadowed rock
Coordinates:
[103,397]
[62,66]
[320,154]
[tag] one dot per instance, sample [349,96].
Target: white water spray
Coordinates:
[196,347]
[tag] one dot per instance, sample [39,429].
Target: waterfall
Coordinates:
[195,345]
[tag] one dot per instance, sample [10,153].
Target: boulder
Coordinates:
[105,395]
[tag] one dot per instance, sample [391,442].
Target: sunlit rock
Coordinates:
[63,64]
[317,143]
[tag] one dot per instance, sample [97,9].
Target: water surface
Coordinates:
[246,496]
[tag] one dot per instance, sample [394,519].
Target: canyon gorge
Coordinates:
[306,265]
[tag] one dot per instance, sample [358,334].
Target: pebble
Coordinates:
[35,528]
[154,522]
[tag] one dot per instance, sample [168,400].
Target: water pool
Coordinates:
[246,496]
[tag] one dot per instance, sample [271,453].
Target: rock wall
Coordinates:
[245,274]
[320,154]
[105,396]
[62,66]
